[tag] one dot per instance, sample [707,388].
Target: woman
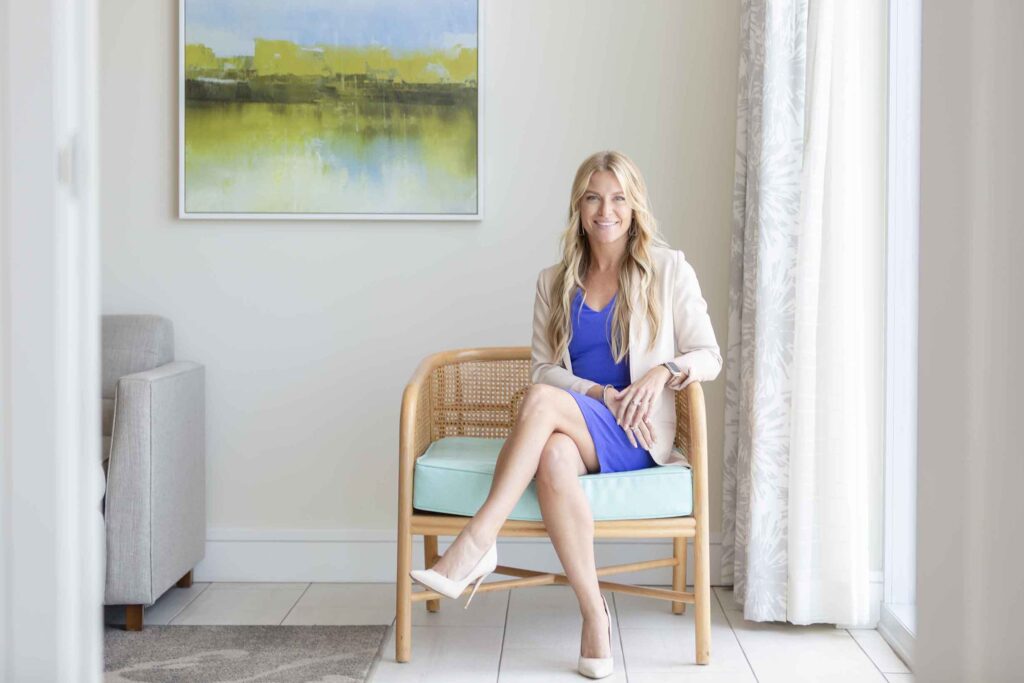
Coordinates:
[618,324]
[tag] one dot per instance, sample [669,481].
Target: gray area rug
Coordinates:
[241,653]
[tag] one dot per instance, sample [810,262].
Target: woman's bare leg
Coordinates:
[570,525]
[545,411]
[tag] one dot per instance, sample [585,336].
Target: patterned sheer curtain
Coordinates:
[804,367]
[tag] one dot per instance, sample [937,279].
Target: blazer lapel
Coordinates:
[638,341]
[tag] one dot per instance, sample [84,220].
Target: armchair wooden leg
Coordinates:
[702,592]
[133,617]
[679,572]
[403,597]
[429,558]
[185,581]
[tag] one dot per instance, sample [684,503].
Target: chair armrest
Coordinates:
[156,490]
[692,432]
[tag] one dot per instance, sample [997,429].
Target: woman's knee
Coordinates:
[560,462]
[550,404]
[540,399]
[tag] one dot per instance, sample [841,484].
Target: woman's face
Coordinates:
[604,211]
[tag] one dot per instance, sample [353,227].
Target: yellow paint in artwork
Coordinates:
[285,58]
[198,56]
[260,156]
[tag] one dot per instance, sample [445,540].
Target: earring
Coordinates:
[582,232]
[632,231]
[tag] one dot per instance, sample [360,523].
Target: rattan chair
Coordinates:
[477,393]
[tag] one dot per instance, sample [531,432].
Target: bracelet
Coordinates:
[603,390]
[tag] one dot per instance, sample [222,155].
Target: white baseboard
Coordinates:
[369,555]
[898,634]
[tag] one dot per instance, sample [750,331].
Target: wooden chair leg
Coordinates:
[133,617]
[403,597]
[185,581]
[429,558]
[679,572]
[702,592]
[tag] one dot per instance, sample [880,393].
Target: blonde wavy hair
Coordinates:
[636,275]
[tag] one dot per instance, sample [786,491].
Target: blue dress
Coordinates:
[590,352]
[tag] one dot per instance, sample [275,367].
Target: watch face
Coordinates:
[673,368]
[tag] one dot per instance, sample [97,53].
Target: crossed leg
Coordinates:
[550,440]
[570,525]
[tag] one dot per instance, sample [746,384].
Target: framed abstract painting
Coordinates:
[330,109]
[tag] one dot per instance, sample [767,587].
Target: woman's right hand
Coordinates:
[641,433]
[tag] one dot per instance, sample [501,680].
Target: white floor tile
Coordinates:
[539,665]
[241,603]
[338,604]
[160,612]
[548,617]
[702,674]
[655,641]
[879,651]
[788,653]
[487,609]
[459,654]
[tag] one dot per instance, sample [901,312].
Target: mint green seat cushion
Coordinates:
[454,475]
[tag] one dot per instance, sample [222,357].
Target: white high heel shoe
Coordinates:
[453,589]
[598,667]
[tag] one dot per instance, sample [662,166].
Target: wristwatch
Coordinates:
[673,368]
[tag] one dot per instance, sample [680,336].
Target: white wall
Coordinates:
[970,464]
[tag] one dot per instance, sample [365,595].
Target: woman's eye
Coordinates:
[621,199]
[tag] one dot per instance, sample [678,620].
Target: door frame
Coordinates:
[52,572]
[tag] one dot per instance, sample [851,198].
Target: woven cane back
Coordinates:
[477,398]
[481,398]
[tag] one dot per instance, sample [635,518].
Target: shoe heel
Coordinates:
[477,585]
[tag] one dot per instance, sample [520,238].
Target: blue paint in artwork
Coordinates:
[229,26]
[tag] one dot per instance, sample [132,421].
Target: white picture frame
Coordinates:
[477,215]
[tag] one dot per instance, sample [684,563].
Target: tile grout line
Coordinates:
[170,621]
[725,614]
[281,623]
[867,654]
[504,630]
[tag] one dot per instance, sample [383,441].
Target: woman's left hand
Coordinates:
[640,397]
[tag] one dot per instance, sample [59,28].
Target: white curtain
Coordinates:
[804,391]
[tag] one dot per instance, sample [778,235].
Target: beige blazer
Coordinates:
[685,336]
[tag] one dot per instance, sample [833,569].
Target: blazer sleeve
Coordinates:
[544,367]
[701,359]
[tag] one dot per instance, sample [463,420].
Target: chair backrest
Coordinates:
[134,343]
[478,398]
[478,393]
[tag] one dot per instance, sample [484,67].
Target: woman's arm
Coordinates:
[701,359]
[544,367]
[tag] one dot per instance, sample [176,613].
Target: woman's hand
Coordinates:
[639,433]
[637,401]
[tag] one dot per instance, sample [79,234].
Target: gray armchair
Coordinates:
[154,458]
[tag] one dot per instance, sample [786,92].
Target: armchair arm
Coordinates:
[156,491]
